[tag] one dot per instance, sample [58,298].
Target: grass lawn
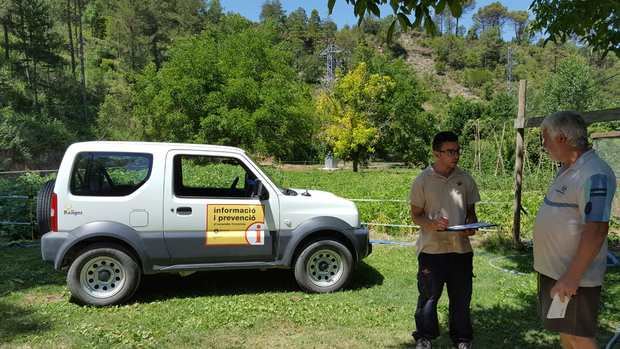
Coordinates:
[254,309]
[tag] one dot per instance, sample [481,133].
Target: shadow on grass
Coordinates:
[503,326]
[516,261]
[17,321]
[236,282]
[22,268]
[519,326]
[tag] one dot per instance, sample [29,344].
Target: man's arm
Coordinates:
[471,217]
[592,238]
[419,218]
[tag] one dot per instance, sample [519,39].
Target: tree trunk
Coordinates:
[35,82]
[6,40]
[155,53]
[70,19]
[355,163]
[82,69]
[456,30]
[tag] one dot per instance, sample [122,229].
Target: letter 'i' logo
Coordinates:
[254,234]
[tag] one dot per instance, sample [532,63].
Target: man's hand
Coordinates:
[566,286]
[438,224]
[467,233]
[592,238]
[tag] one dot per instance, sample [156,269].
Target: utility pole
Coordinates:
[329,53]
[509,64]
[330,57]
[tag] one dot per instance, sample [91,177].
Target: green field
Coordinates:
[254,309]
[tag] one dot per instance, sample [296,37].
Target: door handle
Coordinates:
[184,210]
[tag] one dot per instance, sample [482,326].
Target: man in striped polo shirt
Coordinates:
[570,233]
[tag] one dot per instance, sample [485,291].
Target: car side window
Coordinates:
[109,173]
[212,176]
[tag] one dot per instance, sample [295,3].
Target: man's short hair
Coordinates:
[443,137]
[570,124]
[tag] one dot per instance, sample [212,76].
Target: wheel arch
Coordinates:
[102,232]
[316,229]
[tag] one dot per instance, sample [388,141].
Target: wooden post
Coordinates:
[520,126]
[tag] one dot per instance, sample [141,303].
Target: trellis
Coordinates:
[521,123]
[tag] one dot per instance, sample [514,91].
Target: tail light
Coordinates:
[54,213]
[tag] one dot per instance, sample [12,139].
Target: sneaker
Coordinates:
[423,343]
[464,345]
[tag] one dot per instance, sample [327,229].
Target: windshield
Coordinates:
[272,173]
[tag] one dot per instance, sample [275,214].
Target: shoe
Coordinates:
[423,343]
[464,345]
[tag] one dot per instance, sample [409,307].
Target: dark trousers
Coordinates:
[456,271]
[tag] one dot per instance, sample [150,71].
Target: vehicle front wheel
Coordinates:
[103,274]
[323,266]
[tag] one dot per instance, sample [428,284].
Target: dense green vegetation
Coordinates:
[186,71]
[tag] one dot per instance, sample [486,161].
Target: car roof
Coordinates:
[149,146]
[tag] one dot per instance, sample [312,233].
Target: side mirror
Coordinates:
[260,191]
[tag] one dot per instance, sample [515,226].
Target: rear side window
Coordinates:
[110,174]
[212,176]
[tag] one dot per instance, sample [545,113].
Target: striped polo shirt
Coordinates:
[580,193]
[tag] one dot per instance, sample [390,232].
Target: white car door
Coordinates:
[211,212]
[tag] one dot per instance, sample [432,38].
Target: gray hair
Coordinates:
[570,124]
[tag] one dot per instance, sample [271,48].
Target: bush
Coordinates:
[475,78]
[14,209]
[440,67]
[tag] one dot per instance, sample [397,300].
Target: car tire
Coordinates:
[323,266]
[44,200]
[103,274]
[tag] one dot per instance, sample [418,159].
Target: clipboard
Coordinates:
[478,225]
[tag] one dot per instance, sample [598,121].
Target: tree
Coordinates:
[314,22]
[35,41]
[468,5]
[214,12]
[297,24]
[272,11]
[405,129]
[492,16]
[348,112]
[571,87]
[596,22]
[27,138]
[460,111]
[69,19]
[491,44]
[519,20]
[234,88]
[5,20]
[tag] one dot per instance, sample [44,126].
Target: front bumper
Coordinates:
[362,243]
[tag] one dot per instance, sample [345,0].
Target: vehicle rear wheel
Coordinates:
[323,266]
[104,274]
[44,200]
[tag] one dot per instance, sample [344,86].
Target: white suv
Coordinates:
[121,209]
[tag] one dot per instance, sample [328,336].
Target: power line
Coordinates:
[330,57]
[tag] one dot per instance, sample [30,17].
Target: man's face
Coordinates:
[553,145]
[448,155]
